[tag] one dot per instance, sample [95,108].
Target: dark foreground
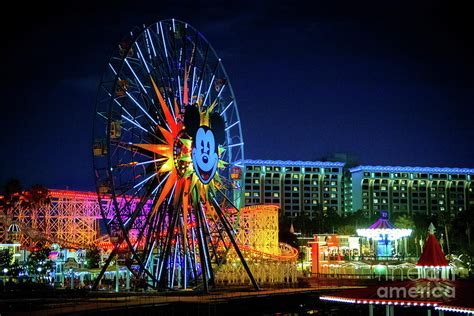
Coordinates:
[224,301]
[294,302]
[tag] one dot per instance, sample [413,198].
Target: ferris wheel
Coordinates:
[167,148]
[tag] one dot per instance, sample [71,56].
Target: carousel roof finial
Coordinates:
[431,229]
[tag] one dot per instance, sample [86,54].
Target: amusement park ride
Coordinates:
[167,156]
[168,144]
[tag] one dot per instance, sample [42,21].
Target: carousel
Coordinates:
[383,240]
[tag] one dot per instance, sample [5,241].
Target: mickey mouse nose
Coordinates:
[205,159]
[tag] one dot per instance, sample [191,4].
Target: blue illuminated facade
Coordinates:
[310,186]
[412,189]
[296,186]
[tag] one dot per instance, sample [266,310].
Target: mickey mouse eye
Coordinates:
[202,145]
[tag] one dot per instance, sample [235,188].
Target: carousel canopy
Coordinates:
[383,227]
[433,255]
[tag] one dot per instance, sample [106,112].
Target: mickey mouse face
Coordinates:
[204,154]
[206,140]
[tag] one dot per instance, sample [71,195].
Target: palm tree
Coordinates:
[444,220]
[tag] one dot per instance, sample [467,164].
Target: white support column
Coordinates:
[127,283]
[440,313]
[371,310]
[428,312]
[117,276]
[405,246]
[62,274]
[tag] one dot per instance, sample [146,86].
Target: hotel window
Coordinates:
[276,194]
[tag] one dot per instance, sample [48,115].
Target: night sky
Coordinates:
[389,83]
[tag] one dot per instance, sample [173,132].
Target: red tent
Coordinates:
[432,254]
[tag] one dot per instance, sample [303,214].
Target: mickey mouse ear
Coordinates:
[217,126]
[192,119]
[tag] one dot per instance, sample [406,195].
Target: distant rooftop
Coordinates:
[293,163]
[412,169]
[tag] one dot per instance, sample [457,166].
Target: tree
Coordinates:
[6,259]
[93,257]
[288,238]
[346,230]
[12,188]
[404,221]
[462,226]
[331,221]
[444,220]
[38,262]
[301,222]
[8,264]
[12,192]
[37,196]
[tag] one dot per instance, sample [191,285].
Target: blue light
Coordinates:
[140,54]
[163,39]
[134,74]
[209,89]
[151,42]
[234,145]
[291,163]
[143,110]
[412,169]
[229,127]
[134,123]
[142,182]
[227,107]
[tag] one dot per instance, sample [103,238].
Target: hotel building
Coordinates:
[296,186]
[307,186]
[412,189]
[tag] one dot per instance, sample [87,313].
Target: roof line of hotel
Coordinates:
[298,163]
[293,163]
[412,169]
